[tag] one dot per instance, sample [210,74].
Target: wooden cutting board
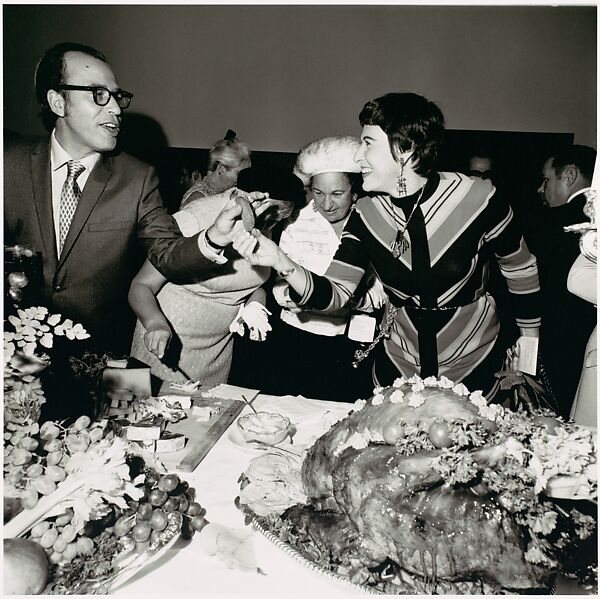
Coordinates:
[201,436]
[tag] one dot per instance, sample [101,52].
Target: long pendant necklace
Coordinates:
[400,244]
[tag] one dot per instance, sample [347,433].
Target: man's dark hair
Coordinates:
[411,122]
[582,157]
[49,74]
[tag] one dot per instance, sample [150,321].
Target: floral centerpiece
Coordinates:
[27,338]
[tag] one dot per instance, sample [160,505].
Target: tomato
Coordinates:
[439,434]
[392,431]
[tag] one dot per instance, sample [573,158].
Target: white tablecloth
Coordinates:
[189,570]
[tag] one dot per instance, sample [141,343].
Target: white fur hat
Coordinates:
[333,154]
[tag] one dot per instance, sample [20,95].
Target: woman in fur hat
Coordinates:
[429,236]
[310,352]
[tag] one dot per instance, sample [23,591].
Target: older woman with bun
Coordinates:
[430,237]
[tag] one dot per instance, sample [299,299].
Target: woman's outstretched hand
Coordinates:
[259,250]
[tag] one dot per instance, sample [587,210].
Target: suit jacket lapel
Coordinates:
[42,197]
[91,194]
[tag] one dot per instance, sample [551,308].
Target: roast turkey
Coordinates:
[387,505]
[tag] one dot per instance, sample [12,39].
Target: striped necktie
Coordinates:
[68,200]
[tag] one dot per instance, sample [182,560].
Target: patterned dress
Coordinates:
[443,322]
[200,313]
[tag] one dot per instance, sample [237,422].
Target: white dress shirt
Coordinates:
[58,166]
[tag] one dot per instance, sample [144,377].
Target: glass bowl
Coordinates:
[264,427]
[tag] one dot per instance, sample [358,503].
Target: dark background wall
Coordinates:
[283,75]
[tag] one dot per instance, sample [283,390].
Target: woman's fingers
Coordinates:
[244,244]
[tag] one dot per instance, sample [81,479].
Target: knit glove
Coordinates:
[256,317]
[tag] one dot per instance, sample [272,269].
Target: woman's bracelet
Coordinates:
[284,274]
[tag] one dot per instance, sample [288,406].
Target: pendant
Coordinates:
[400,245]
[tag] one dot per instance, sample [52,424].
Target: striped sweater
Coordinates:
[439,283]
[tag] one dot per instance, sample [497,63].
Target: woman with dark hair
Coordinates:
[430,237]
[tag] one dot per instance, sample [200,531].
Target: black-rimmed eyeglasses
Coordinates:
[101,94]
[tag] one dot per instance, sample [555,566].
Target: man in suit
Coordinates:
[93,212]
[567,320]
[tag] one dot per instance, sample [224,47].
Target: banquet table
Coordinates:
[187,568]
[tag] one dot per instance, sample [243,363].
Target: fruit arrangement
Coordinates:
[96,510]
[124,540]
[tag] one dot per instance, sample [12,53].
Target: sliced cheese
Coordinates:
[143,432]
[170,442]
[202,413]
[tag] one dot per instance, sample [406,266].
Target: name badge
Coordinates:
[361,328]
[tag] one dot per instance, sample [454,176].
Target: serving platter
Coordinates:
[288,550]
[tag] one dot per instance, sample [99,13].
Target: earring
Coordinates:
[401,181]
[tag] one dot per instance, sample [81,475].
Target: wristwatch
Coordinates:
[212,245]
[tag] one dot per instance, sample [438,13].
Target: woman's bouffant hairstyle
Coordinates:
[411,122]
[49,74]
[228,151]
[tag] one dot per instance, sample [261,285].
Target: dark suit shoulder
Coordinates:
[24,147]
[129,163]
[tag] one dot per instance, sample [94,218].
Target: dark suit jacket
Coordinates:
[567,320]
[120,217]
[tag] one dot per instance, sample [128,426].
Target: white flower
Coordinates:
[47,340]
[399,382]
[414,379]
[54,319]
[477,398]
[377,390]
[416,400]
[460,389]
[16,322]
[418,386]
[377,399]
[359,404]
[397,396]
[490,412]
[445,383]
[431,381]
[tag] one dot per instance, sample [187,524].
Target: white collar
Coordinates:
[59,156]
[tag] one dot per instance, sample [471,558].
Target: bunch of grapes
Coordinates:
[60,539]
[166,508]
[35,457]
